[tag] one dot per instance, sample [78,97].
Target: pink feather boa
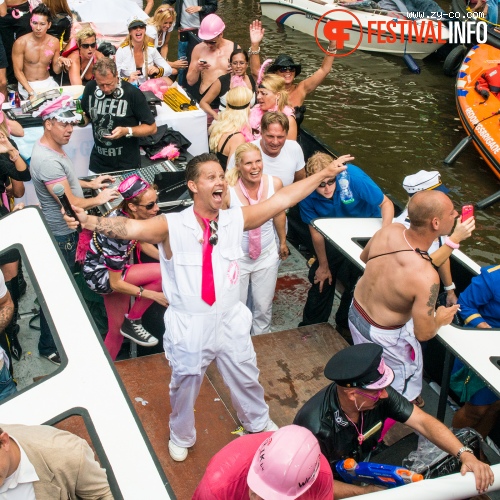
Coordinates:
[256,114]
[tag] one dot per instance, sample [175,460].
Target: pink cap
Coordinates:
[58,108]
[211,27]
[286,464]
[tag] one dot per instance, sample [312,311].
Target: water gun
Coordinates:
[388,476]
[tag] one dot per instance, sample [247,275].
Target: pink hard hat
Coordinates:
[211,27]
[286,464]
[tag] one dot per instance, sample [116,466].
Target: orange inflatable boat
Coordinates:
[478,101]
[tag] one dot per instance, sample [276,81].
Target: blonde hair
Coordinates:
[161,15]
[234,174]
[231,120]
[318,162]
[145,43]
[276,84]
[3,126]
[83,34]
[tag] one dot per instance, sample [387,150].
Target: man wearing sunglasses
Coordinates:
[206,321]
[348,415]
[51,166]
[368,201]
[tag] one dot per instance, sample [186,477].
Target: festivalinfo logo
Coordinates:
[348,31]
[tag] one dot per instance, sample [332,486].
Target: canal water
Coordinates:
[392,121]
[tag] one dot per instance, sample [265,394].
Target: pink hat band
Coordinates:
[133,186]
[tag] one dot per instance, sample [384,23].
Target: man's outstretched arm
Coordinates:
[153,230]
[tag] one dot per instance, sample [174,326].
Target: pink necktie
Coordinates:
[207,272]
[254,243]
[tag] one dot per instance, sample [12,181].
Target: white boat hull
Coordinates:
[303,15]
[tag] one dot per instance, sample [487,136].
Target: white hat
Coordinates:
[424,181]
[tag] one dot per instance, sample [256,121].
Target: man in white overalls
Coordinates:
[205,320]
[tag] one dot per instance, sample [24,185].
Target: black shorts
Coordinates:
[3,56]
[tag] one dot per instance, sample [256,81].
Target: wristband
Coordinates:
[464,449]
[141,289]
[450,287]
[451,243]
[331,51]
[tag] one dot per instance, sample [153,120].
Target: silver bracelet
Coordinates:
[253,52]
[331,51]
[464,449]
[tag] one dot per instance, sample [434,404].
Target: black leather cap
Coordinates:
[360,365]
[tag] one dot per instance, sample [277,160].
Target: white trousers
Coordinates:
[191,343]
[38,86]
[402,351]
[259,276]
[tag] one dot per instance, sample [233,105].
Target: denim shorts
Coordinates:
[7,385]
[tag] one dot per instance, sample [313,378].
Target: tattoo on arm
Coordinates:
[6,312]
[432,299]
[112,228]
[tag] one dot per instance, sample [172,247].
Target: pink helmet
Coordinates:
[285,465]
[211,27]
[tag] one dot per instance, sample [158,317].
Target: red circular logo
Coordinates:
[338,30]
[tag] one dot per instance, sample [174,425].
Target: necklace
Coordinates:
[407,242]
[361,438]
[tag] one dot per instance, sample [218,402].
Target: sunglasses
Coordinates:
[373,397]
[88,45]
[329,183]
[150,205]
[212,42]
[286,69]
[214,237]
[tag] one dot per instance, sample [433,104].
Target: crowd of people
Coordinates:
[215,264]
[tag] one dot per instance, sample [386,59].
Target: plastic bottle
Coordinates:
[17,100]
[79,110]
[346,195]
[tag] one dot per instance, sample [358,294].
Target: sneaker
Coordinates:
[133,330]
[53,358]
[270,426]
[241,431]
[178,453]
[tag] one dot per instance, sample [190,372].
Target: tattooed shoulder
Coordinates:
[432,298]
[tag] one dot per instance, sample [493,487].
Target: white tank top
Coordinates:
[267,229]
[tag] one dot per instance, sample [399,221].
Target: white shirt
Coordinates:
[19,485]
[283,166]
[3,287]
[125,62]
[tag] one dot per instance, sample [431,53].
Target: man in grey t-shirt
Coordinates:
[50,166]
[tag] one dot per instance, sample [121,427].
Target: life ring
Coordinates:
[454,60]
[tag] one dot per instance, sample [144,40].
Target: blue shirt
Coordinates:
[367,199]
[480,300]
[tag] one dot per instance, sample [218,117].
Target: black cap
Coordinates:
[282,61]
[360,365]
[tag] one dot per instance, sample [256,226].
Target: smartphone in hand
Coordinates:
[467,212]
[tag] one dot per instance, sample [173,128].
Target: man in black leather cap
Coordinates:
[347,416]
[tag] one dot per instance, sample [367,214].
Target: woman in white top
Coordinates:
[137,60]
[259,265]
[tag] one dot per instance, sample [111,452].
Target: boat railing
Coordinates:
[452,487]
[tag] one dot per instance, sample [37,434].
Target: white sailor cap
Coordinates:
[424,181]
